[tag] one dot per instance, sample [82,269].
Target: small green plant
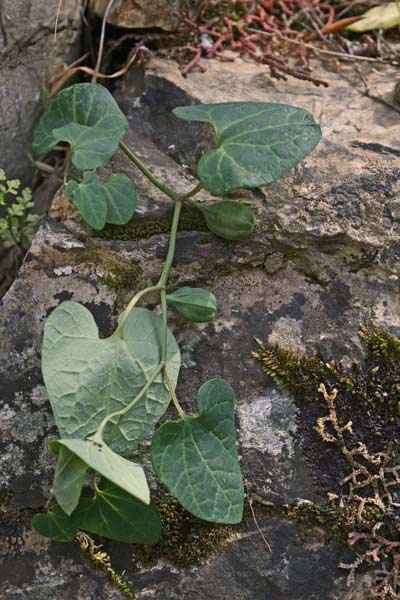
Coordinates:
[18,224]
[108,394]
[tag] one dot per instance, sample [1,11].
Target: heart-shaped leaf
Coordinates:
[86,116]
[88,378]
[120,195]
[112,513]
[127,475]
[56,525]
[100,203]
[68,479]
[89,199]
[117,515]
[196,458]
[257,142]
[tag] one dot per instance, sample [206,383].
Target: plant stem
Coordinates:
[171,248]
[193,192]
[132,304]
[164,188]
[160,286]
[173,395]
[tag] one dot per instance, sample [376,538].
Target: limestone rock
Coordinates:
[141,14]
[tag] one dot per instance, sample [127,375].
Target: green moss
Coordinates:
[121,280]
[369,392]
[185,540]
[191,220]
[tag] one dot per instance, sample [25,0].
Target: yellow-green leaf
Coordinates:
[379,17]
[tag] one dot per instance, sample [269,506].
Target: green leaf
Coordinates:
[56,525]
[68,479]
[112,513]
[127,475]
[120,194]
[229,220]
[89,199]
[111,202]
[257,142]
[87,378]
[196,458]
[194,304]
[379,17]
[87,117]
[116,515]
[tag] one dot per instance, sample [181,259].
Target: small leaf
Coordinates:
[379,17]
[89,199]
[111,202]
[120,195]
[118,516]
[56,525]
[127,475]
[229,220]
[87,378]
[87,117]
[194,304]
[257,142]
[68,479]
[196,458]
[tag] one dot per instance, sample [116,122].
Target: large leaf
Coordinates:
[257,142]
[87,378]
[196,458]
[112,513]
[127,475]
[56,525]
[86,116]
[378,17]
[117,515]
[68,479]
[112,202]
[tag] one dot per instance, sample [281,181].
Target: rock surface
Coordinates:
[141,14]
[324,258]
[28,53]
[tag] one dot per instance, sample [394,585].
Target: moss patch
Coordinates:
[185,540]
[191,220]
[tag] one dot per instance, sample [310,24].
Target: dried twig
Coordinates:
[102,38]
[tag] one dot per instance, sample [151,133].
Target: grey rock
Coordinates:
[324,258]
[141,14]
[28,53]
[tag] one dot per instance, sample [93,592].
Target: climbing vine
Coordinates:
[108,394]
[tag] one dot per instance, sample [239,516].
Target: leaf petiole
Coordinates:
[161,186]
[171,390]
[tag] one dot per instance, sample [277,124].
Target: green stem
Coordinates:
[171,248]
[161,186]
[173,395]
[161,288]
[132,304]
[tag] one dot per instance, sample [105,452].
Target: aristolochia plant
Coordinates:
[108,394]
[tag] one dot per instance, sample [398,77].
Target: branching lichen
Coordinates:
[362,423]
[102,560]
